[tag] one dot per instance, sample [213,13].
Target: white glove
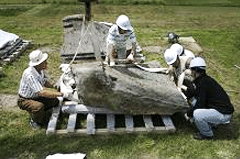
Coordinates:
[188,118]
[112,63]
[60,99]
[130,57]
[194,101]
[65,94]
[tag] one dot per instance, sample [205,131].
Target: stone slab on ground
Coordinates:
[190,44]
[154,49]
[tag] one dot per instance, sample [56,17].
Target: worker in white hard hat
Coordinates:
[213,105]
[121,41]
[181,51]
[35,91]
[179,69]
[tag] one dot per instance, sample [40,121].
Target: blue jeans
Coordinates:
[206,118]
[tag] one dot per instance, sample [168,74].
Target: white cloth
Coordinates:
[7,38]
[31,83]
[67,156]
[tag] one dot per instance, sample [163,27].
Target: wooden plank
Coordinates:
[52,124]
[168,123]
[80,108]
[110,122]
[160,129]
[71,122]
[148,122]
[83,132]
[129,123]
[91,124]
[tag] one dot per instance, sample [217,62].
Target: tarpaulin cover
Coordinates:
[7,38]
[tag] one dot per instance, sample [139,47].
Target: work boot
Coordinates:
[200,136]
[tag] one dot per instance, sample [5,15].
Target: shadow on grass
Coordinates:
[229,131]
[223,132]
[23,142]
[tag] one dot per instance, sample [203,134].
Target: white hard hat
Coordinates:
[198,62]
[124,23]
[37,57]
[170,56]
[178,48]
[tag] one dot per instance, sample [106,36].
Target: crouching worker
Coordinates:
[179,70]
[213,105]
[35,95]
[121,42]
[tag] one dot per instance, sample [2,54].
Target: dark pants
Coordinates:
[37,106]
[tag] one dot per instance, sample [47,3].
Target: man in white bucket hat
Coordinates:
[121,41]
[34,93]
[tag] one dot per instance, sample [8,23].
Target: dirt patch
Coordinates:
[8,101]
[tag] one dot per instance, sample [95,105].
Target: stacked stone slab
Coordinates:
[85,39]
[11,50]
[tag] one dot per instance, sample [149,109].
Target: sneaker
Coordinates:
[199,136]
[35,125]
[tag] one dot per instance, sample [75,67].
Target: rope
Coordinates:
[79,44]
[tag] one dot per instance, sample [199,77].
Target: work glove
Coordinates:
[190,119]
[65,95]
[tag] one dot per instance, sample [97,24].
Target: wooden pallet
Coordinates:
[111,117]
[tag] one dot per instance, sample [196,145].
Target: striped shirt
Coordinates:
[120,40]
[31,83]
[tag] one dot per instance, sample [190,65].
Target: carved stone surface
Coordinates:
[127,88]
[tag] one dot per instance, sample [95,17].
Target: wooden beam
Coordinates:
[52,124]
[168,123]
[129,123]
[148,122]
[91,124]
[110,122]
[72,122]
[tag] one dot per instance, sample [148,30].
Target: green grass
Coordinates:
[216,29]
[208,3]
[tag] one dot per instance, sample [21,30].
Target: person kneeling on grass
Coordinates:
[213,105]
[35,95]
[121,42]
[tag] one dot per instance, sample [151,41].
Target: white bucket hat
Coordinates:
[37,57]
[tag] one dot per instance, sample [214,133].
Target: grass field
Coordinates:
[215,28]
